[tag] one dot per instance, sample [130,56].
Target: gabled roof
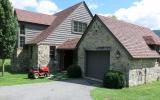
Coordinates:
[69,44]
[32,17]
[132,37]
[60,17]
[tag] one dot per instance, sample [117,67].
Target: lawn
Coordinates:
[14,79]
[11,78]
[144,92]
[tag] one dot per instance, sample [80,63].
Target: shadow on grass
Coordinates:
[9,70]
[62,76]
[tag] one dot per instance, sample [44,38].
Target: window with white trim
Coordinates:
[22,36]
[79,27]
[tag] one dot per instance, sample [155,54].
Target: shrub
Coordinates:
[113,79]
[74,71]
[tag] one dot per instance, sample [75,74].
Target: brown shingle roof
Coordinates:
[61,16]
[32,17]
[69,44]
[132,37]
[150,41]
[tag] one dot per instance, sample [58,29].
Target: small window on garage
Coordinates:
[52,52]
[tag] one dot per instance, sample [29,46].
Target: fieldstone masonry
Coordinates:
[143,76]
[43,55]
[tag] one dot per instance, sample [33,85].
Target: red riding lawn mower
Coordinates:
[36,72]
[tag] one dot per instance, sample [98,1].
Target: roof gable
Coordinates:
[131,37]
[32,17]
[60,17]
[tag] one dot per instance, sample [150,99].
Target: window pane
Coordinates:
[22,29]
[84,27]
[52,51]
[75,26]
[22,41]
[80,27]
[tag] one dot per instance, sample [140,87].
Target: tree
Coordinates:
[114,17]
[8,31]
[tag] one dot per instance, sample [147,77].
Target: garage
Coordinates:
[97,62]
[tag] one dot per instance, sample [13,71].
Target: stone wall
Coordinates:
[44,58]
[143,75]
[98,37]
[43,55]
[33,55]
[25,58]
[19,61]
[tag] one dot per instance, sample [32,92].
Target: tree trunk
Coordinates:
[3,64]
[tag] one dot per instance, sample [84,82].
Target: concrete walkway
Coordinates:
[57,90]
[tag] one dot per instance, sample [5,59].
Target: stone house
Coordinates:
[108,43]
[59,40]
[46,40]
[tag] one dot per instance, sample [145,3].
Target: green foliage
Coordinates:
[74,71]
[8,29]
[8,62]
[113,79]
[114,17]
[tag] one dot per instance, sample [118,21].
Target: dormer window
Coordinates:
[153,45]
[79,27]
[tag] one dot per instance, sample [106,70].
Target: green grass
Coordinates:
[7,62]
[14,79]
[144,92]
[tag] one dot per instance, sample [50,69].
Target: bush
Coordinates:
[114,79]
[74,71]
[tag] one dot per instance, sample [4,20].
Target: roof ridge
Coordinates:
[123,21]
[56,14]
[32,12]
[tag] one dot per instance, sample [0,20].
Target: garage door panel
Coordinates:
[97,63]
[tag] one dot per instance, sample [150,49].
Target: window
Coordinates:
[52,52]
[22,29]
[79,27]
[22,41]
[22,36]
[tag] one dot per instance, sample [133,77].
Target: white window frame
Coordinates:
[22,35]
[78,30]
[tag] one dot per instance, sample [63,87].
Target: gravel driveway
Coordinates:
[57,90]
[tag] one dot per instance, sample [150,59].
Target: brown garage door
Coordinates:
[97,62]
